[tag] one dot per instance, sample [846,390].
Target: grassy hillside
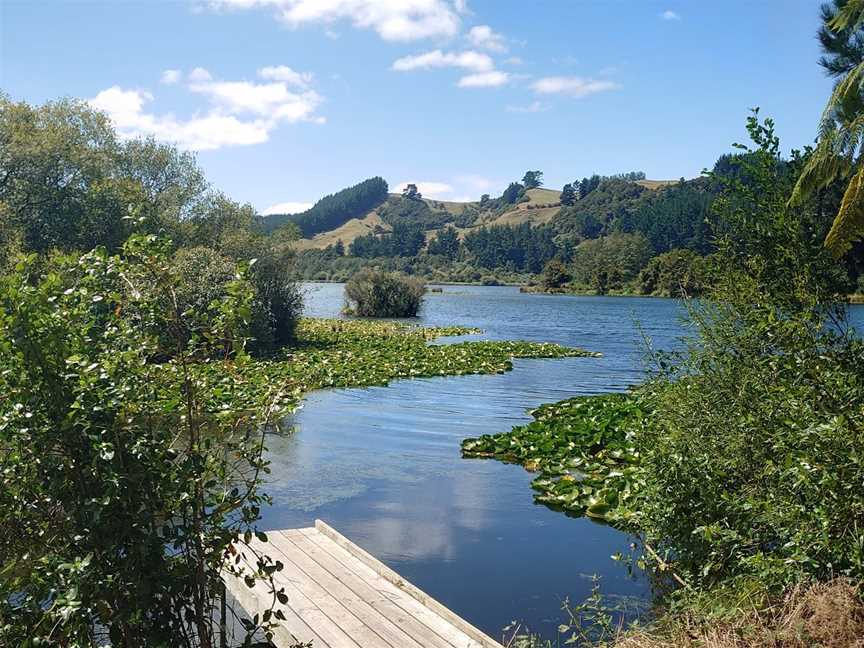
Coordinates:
[541,207]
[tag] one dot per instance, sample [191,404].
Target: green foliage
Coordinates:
[610,263]
[520,247]
[838,153]
[124,481]
[372,293]
[446,243]
[67,183]
[677,273]
[402,210]
[755,439]
[582,450]
[568,195]
[532,179]
[405,240]
[334,210]
[678,216]
[512,193]
[555,274]
[595,213]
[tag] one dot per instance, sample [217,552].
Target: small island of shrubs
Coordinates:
[374,293]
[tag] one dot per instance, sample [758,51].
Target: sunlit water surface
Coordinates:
[382,464]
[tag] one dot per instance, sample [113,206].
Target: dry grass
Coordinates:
[346,232]
[656,184]
[824,615]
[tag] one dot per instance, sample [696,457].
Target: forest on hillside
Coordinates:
[609,235]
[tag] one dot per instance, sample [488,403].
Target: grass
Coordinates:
[346,233]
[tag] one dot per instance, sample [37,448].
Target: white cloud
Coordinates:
[199,74]
[533,107]
[240,113]
[268,100]
[670,15]
[170,77]
[573,86]
[287,208]
[393,20]
[469,60]
[484,37]
[427,188]
[491,79]
[514,60]
[286,74]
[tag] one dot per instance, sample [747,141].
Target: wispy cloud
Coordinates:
[484,37]
[392,20]
[468,60]
[170,77]
[670,15]
[572,86]
[287,208]
[239,113]
[533,107]
[491,79]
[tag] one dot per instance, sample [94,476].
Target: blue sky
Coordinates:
[287,100]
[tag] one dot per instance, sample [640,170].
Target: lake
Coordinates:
[382,464]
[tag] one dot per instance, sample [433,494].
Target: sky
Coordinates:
[288,100]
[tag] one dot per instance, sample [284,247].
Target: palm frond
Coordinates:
[823,167]
[848,225]
[850,16]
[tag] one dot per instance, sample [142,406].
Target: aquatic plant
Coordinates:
[583,451]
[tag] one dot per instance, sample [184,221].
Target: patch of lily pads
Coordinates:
[358,353]
[582,451]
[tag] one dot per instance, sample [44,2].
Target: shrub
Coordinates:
[278,302]
[555,274]
[753,460]
[373,293]
[117,508]
[204,276]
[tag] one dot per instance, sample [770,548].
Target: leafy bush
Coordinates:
[753,464]
[205,275]
[278,301]
[117,509]
[674,274]
[555,274]
[610,262]
[373,293]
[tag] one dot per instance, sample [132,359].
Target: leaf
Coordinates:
[848,225]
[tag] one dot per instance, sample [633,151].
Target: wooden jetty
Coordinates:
[339,596]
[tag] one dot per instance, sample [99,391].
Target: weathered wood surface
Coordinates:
[339,596]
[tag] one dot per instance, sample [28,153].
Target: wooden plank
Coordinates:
[394,578]
[253,600]
[401,627]
[441,626]
[338,611]
[339,596]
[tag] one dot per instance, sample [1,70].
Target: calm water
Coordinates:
[382,464]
